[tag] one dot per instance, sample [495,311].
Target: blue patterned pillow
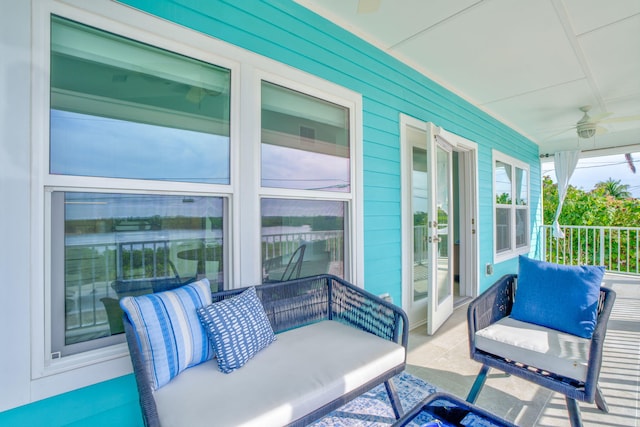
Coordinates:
[169,333]
[238,328]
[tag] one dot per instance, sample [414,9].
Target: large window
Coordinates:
[121,109]
[149,171]
[511,202]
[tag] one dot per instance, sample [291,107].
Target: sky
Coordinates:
[596,169]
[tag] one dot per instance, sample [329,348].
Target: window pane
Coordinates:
[305,141]
[503,183]
[503,229]
[522,187]
[116,245]
[124,109]
[522,227]
[302,238]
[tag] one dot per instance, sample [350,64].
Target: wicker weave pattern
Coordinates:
[360,310]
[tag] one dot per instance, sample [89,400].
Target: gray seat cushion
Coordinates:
[304,369]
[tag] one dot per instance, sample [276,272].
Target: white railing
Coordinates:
[283,244]
[617,248]
[92,268]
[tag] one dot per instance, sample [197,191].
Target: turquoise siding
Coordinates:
[108,404]
[291,34]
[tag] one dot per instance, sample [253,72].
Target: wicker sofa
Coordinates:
[334,341]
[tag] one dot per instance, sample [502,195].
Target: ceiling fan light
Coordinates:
[586,131]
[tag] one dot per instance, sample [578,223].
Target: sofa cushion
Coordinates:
[534,345]
[561,297]
[238,328]
[168,330]
[303,370]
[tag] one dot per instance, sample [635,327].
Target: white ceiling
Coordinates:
[529,63]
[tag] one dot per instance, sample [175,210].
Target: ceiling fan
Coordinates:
[587,126]
[590,126]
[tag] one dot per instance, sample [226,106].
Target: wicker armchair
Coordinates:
[495,304]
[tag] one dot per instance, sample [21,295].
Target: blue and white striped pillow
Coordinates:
[238,328]
[169,333]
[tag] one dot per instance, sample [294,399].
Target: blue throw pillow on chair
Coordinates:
[560,297]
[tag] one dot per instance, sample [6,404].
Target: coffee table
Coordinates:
[442,409]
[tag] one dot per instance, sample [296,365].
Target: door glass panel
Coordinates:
[442,204]
[420,203]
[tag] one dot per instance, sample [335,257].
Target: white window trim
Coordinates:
[53,376]
[514,251]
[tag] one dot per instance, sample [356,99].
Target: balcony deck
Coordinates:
[443,360]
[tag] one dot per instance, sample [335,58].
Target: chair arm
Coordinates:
[491,306]
[605,305]
[143,380]
[366,311]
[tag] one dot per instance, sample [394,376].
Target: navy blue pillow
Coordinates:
[560,297]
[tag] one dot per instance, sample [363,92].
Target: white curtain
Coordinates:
[565,163]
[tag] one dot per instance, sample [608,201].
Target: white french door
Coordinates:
[440,235]
[428,224]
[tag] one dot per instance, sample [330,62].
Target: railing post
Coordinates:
[602,246]
[543,245]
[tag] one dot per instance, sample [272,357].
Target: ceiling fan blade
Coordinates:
[621,119]
[368,6]
[599,117]
[600,130]
[559,133]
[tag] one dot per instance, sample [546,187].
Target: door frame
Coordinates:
[468,210]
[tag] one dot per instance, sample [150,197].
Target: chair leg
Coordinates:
[600,402]
[574,412]
[396,404]
[478,384]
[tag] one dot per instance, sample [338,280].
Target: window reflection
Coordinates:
[117,245]
[302,238]
[503,186]
[305,141]
[124,109]
[503,229]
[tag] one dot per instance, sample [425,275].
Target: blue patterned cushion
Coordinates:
[168,330]
[561,297]
[238,328]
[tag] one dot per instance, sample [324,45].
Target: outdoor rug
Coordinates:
[373,408]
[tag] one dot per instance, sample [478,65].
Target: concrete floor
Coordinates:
[443,360]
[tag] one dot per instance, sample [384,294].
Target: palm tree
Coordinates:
[613,188]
